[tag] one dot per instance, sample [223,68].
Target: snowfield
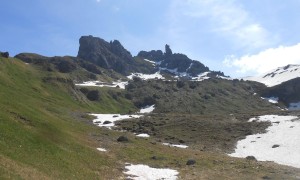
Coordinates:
[144,172]
[277,76]
[281,142]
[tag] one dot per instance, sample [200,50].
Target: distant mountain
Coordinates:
[283,84]
[277,76]
[112,55]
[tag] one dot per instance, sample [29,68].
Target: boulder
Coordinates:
[251,158]
[190,162]
[122,139]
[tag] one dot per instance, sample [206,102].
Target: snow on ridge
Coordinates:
[277,76]
[281,142]
[144,172]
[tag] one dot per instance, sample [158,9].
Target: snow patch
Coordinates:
[281,142]
[108,120]
[201,77]
[156,75]
[120,84]
[273,100]
[147,109]
[143,135]
[101,149]
[176,145]
[152,62]
[144,172]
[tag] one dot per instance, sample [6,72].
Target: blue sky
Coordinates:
[239,37]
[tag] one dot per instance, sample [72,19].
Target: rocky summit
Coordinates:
[108,55]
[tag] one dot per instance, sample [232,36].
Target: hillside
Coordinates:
[47,130]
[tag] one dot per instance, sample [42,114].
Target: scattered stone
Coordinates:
[275,146]
[190,162]
[251,158]
[122,139]
[181,141]
[115,116]
[266,177]
[107,122]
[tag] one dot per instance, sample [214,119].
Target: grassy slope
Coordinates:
[37,130]
[42,136]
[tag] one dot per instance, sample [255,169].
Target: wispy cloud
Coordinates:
[98,1]
[265,60]
[226,19]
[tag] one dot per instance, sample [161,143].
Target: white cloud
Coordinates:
[265,60]
[98,1]
[227,19]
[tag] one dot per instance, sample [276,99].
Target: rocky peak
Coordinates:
[108,55]
[168,51]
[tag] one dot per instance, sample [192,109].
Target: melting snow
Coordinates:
[144,172]
[273,100]
[107,120]
[201,77]
[156,75]
[176,145]
[101,149]
[143,135]
[120,84]
[278,75]
[280,144]
[147,109]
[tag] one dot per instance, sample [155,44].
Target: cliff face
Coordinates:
[108,55]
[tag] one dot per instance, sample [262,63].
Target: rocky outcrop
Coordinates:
[287,92]
[176,63]
[108,55]
[4,54]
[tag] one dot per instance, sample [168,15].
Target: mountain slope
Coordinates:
[277,76]
[43,135]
